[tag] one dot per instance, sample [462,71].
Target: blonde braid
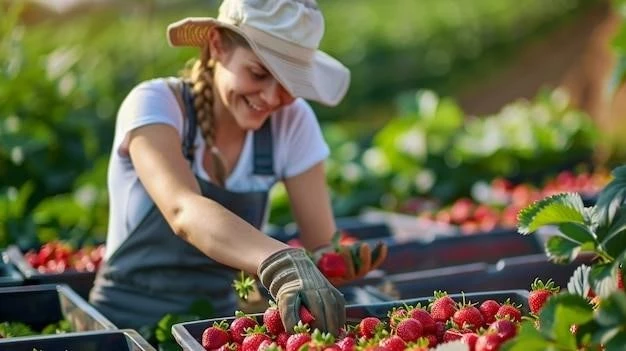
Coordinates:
[201,78]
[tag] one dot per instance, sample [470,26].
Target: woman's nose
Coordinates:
[275,94]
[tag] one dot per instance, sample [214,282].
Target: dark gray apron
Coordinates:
[155,272]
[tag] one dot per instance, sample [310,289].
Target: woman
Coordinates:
[193,160]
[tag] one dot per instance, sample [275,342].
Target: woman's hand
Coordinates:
[293,280]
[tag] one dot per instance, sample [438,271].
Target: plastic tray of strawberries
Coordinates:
[118,340]
[80,281]
[40,305]
[9,274]
[453,251]
[189,334]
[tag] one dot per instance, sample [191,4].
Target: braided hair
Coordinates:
[200,76]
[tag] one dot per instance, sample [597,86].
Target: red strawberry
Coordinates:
[239,326]
[396,315]
[393,343]
[540,293]
[254,338]
[332,265]
[504,328]
[429,340]
[368,326]
[231,346]
[305,315]
[272,320]
[300,337]
[468,316]
[428,323]
[281,339]
[469,339]
[619,278]
[488,342]
[451,335]
[215,336]
[348,343]
[488,309]
[318,342]
[440,329]
[443,306]
[507,310]
[267,345]
[410,329]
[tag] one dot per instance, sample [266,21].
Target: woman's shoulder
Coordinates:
[156,85]
[297,113]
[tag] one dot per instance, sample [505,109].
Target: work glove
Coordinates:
[342,264]
[293,280]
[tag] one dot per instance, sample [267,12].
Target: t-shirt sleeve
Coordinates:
[150,102]
[302,142]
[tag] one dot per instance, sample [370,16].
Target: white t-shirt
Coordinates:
[296,135]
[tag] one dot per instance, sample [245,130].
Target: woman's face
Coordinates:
[248,91]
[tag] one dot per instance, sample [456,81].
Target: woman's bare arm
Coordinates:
[166,176]
[310,203]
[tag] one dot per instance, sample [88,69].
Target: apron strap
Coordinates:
[192,123]
[264,150]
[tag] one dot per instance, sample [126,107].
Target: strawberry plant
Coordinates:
[591,313]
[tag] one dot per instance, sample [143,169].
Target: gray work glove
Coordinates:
[293,280]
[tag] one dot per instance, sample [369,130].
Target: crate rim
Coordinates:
[130,333]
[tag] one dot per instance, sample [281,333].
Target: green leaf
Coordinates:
[617,342]
[612,310]
[560,312]
[579,281]
[528,339]
[611,197]
[552,210]
[602,278]
[561,249]
[577,232]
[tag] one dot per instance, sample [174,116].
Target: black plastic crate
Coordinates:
[81,282]
[520,272]
[9,275]
[453,279]
[41,305]
[189,334]
[452,251]
[360,228]
[118,340]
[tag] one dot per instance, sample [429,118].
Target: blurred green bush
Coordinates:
[61,81]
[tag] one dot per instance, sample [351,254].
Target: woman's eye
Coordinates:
[259,75]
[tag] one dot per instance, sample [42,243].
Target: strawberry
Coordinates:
[619,278]
[254,338]
[451,335]
[239,326]
[488,309]
[409,329]
[440,329]
[469,339]
[540,293]
[348,343]
[231,346]
[443,306]
[215,336]
[332,265]
[272,320]
[305,315]
[507,310]
[396,315]
[318,342]
[267,345]
[368,326]
[392,343]
[300,337]
[488,342]
[428,323]
[504,328]
[281,339]
[429,340]
[468,316]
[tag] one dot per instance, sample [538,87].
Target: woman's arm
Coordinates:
[214,230]
[310,203]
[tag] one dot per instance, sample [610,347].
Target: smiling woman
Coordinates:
[193,160]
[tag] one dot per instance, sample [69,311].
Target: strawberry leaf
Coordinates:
[617,342]
[602,278]
[611,197]
[528,339]
[579,282]
[552,210]
[577,232]
[559,313]
[560,249]
[612,310]
[612,239]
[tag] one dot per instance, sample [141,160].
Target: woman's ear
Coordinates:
[216,45]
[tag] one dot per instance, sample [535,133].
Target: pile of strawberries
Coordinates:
[483,326]
[58,257]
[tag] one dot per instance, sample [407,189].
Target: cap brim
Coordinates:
[322,79]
